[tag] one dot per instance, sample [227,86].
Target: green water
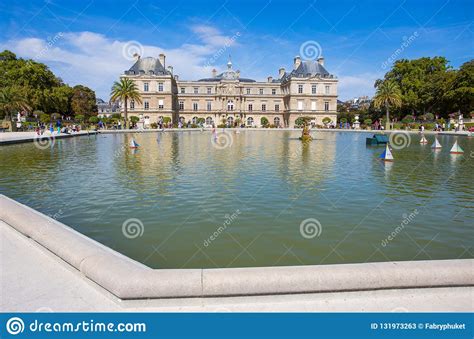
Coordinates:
[201,206]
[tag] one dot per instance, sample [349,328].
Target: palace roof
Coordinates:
[148,66]
[309,68]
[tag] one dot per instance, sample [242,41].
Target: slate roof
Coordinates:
[148,65]
[309,68]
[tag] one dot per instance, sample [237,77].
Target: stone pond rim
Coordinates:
[128,279]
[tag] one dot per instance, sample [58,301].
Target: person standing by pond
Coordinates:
[58,126]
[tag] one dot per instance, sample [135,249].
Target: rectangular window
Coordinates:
[274,91]
[326,105]
[209,106]
[160,104]
[183,90]
[313,88]
[145,87]
[300,89]
[209,89]
[300,105]
[248,90]
[160,87]
[277,108]
[181,105]
[146,104]
[250,107]
[132,105]
[313,105]
[264,107]
[261,91]
[196,90]
[327,89]
[195,106]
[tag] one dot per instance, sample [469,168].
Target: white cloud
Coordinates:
[97,61]
[357,85]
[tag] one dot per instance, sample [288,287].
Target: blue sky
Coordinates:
[91,42]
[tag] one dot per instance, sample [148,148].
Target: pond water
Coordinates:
[265,200]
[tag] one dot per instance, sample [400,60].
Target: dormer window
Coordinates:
[151,72]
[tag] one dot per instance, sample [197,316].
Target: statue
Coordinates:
[305,135]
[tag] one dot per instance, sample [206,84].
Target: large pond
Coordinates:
[265,200]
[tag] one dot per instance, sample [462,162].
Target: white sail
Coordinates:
[436,144]
[387,154]
[456,149]
[133,144]
[423,140]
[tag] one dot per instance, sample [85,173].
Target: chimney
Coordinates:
[136,56]
[237,73]
[321,61]
[162,60]
[170,69]
[176,77]
[296,61]
[281,72]
[270,79]
[214,73]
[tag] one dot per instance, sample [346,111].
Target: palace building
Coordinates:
[308,90]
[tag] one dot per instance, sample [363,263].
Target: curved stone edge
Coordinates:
[120,275]
[128,279]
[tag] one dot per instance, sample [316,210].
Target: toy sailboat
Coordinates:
[436,144]
[133,144]
[423,140]
[456,149]
[387,154]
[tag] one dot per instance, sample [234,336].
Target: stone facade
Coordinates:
[308,90]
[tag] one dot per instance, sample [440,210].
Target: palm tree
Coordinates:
[12,100]
[125,90]
[388,94]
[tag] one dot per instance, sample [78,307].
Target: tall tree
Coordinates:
[459,93]
[420,82]
[12,101]
[83,101]
[125,90]
[388,94]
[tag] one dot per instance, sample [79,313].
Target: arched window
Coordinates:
[230,121]
[276,121]
[195,120]
[230,105]
[209,121]
[249,121]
